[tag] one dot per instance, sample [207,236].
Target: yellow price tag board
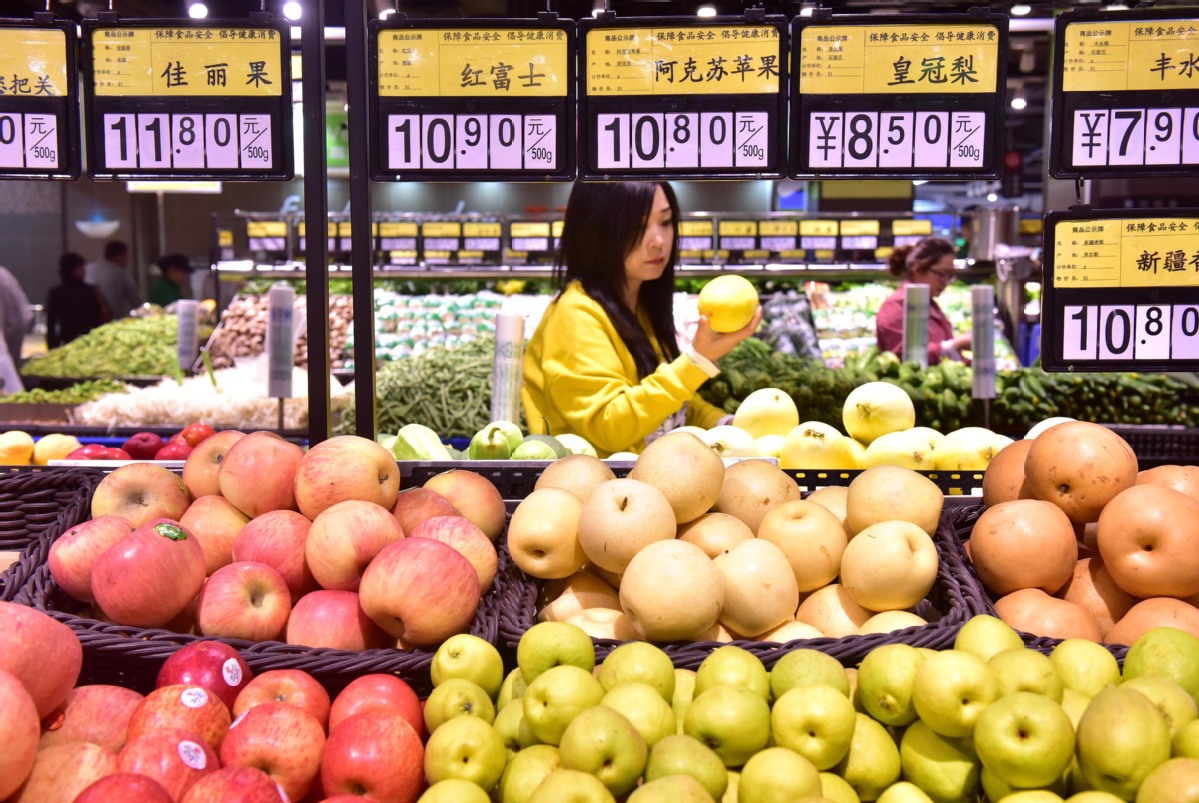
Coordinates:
[557,227]
[738,228]
[267,228]
[33,63]
[400,229]
[490,63]
[683,60]
[187,62]
[481,229]
[899,58]
[695,228]
[778,228]
[1140,252]
[859,228]
[910,228]
[529,229]
[818,228]
[441,228]
[224,238]
[1117,56]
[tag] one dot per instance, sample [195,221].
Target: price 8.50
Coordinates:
[1124,332]
[187,142]
[896,140]
[682,140]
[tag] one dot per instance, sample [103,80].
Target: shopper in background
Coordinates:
[604,363]
[15,317]
[112,278]
[174,281]
[929,261]
[73,307]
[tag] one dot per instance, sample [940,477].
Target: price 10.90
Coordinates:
[1127,332]
[472,142]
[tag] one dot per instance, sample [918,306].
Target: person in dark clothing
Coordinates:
[74,307]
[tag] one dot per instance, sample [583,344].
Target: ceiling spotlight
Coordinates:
[292,10]
[992,197]
[197,11]
[1021,10]
[807,11]
[385,13]
[595,12]
[1019,103]
[706,11]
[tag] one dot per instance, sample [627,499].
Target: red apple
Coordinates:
[234,785]
[140,493]
[291,686]
[277,539]
[91,451]
[282,740]
[177,759]
[376,755]
[19,724]
[63,771]
[258,474]
[333,619]
[181,707]
[97,713]
[143,445]
[420,590]
[343,468]
[114,453]
[44,654]
[73,553]
[200,470]
[216,523]
[415,505]
[173,451]
[345,538]
[122,786]
[474,497]
[196,433]
[211,665]
[148,577]
[468,539]
[245,600]
[381,693]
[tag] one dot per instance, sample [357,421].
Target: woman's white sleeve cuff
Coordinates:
[702,362]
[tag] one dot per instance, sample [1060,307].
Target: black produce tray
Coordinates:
[32,381]
[1160,445]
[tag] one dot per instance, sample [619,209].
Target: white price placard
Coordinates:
[153,138]
[280,340]
[41,141]
[648,140]
[1078,333]
[12,140]
[1152,332]
[1184,332]
[187,140]
[255,132]
[470,141]
[932,140]
[505,145]
[1125,137]
[1116,332]
[682,140]
[897,133]
[895,140]
[1089,147]
[120,140]
[861,138]
[437,141]
[751,135]
[715,139]
[220,141]
[541,141]
[967,131]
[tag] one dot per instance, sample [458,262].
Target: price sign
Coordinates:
[918,96]
[483,100]
[39,105]
[668,98]
[697,243]
[530,242]
[188,99]
[1121,291]
[397,242]
[267,239]
[1125,95]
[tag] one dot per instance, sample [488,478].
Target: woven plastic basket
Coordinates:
[954,598]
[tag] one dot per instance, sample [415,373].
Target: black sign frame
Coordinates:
[279,108]
[590,107]
[65,108]
[1054,299]
[1064,104]
[993,105]
[562,107]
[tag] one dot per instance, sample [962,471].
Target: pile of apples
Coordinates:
[685,549]
[260,540]
[1077,543]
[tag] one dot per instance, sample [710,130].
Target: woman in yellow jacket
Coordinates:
[604,363]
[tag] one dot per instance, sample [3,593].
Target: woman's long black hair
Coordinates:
[604,223]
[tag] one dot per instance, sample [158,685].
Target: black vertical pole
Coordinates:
[316,212]
[361,234]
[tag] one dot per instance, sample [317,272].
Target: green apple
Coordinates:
[683,755]
[471,658]
[457,697]
[778,775]
[1022,669]
[817,722]
[511,689]
[1175,781]
[1172,700]
[454,790]
[549,644]
[983,636]
[733,721]
[490,443]
[684,693]
[642,705]
[996,789]
[885,680]
[512,727]
[946,769]
[732,666]
[671,789]
[836,790]
[803,667]
[603,742]
[1074,703]
[1166,652]
[951,690]
[571,786]
[1122,737]
[904,792]
[642,662]
[1092,796]
[1026,739]
[511,432]
[556,697]
[576,445]
[872,763]
[525,772]
[466,748]
[1085,666]
[1186,741]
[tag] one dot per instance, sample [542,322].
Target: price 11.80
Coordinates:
[187,141]
[682,140]
[29,141]
[896,140]
[1105,137]
[472,142]
[1127,332]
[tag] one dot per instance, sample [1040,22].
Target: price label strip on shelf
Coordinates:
[39,104]
[664,97]
[1125,95]
[1121,291]
[480,101]
[188,99]
[697,243]
[918,96]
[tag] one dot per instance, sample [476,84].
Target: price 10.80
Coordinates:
[682,140]
[1126,332]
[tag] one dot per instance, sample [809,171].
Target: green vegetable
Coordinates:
[128,347]
[78,393]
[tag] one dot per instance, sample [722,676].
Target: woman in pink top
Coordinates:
[930,262]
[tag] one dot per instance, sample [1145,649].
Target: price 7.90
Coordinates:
[1120,332]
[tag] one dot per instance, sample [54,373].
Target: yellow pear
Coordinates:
[54,446]
[16,448]
[685,469]
[907,448]
[572,595]
[969,449]
[816,445]
[767,411]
